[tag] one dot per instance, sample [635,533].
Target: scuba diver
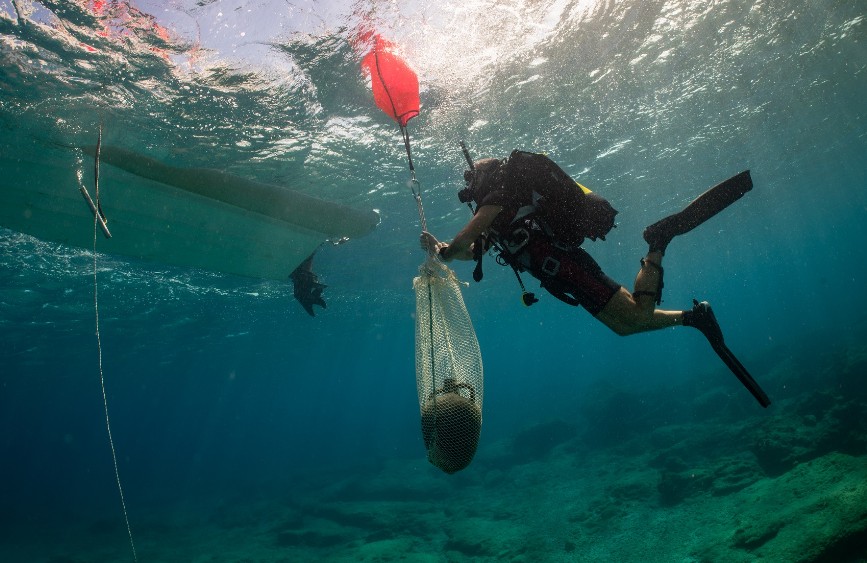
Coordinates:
[535,217]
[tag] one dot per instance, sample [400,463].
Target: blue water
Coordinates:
[246,430]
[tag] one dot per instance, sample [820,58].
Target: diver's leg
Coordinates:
[629,314]
[648,281]
[623,312]
[625,316]
[632,313]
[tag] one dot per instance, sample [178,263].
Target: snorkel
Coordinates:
[467,155]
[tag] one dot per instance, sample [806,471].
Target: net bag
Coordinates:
[448,368]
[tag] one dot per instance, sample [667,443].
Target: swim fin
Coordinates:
[741,373]
[702,318]
[705,206]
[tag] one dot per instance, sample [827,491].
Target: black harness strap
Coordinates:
[504,257]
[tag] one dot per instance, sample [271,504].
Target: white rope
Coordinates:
[96,224]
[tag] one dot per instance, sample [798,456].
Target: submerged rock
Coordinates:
[815,512]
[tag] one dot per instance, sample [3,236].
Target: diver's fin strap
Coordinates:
[658,293]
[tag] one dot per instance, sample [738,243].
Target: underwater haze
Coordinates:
[247,430]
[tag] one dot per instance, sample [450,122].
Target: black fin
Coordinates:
[702,208]
[741,373]
[702,318]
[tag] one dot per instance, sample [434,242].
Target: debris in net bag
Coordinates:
[448,364]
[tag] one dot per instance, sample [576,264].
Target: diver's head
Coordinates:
[596,217]
[451,424]
[479,180]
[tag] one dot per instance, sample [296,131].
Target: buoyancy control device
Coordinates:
[544,200]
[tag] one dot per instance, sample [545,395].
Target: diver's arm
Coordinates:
[461,248]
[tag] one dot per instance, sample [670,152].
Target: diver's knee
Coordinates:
[624,315]
[643,317]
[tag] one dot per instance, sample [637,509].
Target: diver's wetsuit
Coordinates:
[572,276]
[568,273]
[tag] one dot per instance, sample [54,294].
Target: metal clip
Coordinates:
[550,266]
[517,241]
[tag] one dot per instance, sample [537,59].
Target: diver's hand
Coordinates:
[429,243]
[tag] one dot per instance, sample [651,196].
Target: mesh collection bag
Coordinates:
[448,367]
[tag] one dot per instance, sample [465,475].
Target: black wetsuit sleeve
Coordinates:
[503,199]
[498,197]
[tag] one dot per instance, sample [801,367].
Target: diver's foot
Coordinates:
[659,234]
[702,318]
